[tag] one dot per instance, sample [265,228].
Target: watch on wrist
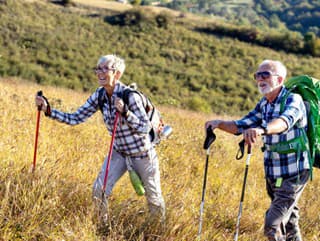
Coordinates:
[265,129]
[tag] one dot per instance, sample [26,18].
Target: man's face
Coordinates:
[106,74]
[267,80]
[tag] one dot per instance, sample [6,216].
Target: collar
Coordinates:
[118,89]
[283,92]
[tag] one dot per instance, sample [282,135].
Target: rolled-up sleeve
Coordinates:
[294,110]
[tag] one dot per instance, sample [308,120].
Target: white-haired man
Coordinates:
[132,134]
[286,151]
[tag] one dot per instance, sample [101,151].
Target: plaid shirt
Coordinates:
[294,114]
[132,134]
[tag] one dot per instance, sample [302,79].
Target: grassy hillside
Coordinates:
[174,64]
[54,202]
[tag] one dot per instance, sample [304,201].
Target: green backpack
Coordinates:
[309,89]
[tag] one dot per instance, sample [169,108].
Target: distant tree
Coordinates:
[258,8]
[315,30]
[274,21]
[66,2]
[202,4]
[135,2]
[312,44]
[146,2]
[163,20]
[266,4]
[309,37]
[316,50]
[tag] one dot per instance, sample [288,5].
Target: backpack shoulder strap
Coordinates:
[101,98]
[284,100]
[128,91]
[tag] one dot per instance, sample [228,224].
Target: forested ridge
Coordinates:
[302,16]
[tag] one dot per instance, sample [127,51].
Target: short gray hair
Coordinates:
[276,66]
[112,61]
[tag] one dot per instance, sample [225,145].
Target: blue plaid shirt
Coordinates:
[132,134]
[294,114]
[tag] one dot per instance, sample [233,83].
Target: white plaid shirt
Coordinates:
[132,134]
[294,114]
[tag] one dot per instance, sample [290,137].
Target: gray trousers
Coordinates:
[148,170]
[282,217]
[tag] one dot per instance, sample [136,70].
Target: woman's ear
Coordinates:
[118,74]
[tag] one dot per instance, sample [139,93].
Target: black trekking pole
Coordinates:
[243,189]
[37,134]
[210,138]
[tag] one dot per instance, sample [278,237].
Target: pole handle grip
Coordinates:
[240,152]
[210,138]
[39,93]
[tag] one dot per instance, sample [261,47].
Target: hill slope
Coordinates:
[171,61]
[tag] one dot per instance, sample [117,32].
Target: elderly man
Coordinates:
[286,149]
[131,141]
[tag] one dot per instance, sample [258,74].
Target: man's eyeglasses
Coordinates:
[264,75]
[104,70]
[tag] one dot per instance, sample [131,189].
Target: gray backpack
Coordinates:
[159,131]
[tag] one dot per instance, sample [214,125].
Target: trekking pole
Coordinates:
[210,137]
[110,152]
[37,134]
[243,191]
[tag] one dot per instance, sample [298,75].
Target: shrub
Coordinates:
[163,20]
[198,104]
[66,2]
[135,2]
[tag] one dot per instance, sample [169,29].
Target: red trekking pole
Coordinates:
[110,152]
[37,134]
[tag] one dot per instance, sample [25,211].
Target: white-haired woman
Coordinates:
[131,135]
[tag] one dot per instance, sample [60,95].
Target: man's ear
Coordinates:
[280,80]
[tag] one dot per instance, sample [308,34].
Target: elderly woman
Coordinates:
[131,143]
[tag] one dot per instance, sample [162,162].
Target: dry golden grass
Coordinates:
[54,202]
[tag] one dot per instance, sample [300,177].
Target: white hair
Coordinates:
[112,61]
[276,66]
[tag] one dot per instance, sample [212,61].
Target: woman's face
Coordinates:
[107,75]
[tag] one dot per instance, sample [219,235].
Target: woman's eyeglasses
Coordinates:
[104,70]
[263,75]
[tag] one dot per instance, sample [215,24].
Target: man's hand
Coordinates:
[214,124]
[250,136]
